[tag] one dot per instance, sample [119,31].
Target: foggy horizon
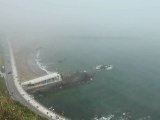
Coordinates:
[79,18]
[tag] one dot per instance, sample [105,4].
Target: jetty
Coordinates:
[42,81]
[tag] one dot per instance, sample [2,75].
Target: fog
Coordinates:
[41,18]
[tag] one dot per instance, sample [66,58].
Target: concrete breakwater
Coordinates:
[67,80]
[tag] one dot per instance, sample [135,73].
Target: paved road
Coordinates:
[9,79]
[18,94]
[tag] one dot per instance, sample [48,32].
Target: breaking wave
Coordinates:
[124,116]
[40,65]
[109,117]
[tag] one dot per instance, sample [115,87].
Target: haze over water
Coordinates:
[130,90]
[86,33]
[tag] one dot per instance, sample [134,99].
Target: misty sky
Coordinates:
[80,17]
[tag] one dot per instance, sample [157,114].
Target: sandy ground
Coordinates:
[23,52]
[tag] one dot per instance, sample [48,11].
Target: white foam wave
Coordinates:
[40,65]
[123,116]
[2,75]
[109,117]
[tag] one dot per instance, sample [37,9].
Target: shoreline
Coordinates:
[36,105]
[27,65]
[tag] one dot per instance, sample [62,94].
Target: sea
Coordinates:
[129,91]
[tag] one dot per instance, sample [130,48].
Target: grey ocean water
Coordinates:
[130,91]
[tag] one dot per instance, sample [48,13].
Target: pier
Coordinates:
[42,81]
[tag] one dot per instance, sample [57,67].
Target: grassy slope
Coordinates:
[11,110]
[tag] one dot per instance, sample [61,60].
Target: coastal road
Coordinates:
[18,94]
[13,92]
[9,79]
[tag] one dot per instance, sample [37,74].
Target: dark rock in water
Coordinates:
[77,78]
[67,81]
[61,61]
[103,67]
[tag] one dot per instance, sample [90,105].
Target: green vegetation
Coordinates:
[11,110]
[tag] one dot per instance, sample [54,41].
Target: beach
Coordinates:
[27,64]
